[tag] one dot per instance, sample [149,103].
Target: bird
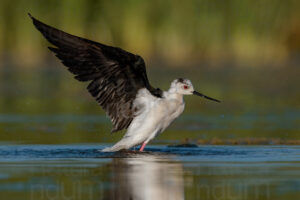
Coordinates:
[117,79]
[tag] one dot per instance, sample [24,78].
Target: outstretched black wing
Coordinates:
[115,75]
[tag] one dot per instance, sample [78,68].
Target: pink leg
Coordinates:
[143,146]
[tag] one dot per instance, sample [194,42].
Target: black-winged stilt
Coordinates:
[118,81]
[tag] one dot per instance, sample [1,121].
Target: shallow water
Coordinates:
[203,172]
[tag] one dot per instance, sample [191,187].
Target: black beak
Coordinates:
[202,95]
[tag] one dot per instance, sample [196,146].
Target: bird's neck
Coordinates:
[174,95]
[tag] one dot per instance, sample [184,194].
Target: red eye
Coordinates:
[186,87]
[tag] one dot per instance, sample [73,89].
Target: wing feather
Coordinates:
[115,76]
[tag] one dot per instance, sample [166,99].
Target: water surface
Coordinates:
[80,171]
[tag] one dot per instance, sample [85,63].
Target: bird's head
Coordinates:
[185,87]
[182,86]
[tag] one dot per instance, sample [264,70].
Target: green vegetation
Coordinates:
[255,44]
[258,106]
[249,32]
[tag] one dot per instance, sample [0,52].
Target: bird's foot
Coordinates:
[142,147]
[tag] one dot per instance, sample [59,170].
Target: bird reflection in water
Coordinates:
[146,176]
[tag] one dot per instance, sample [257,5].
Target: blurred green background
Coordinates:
[245,53]
[250,32]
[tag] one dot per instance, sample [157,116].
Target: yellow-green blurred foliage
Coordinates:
[177,32]
[259,101]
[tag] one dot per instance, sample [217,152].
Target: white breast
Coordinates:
[173,109]
[155,114]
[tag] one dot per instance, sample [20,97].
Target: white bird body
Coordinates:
[154,117]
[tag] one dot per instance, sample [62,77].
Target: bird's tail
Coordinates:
[117,147]
[112,149]
[125,143]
